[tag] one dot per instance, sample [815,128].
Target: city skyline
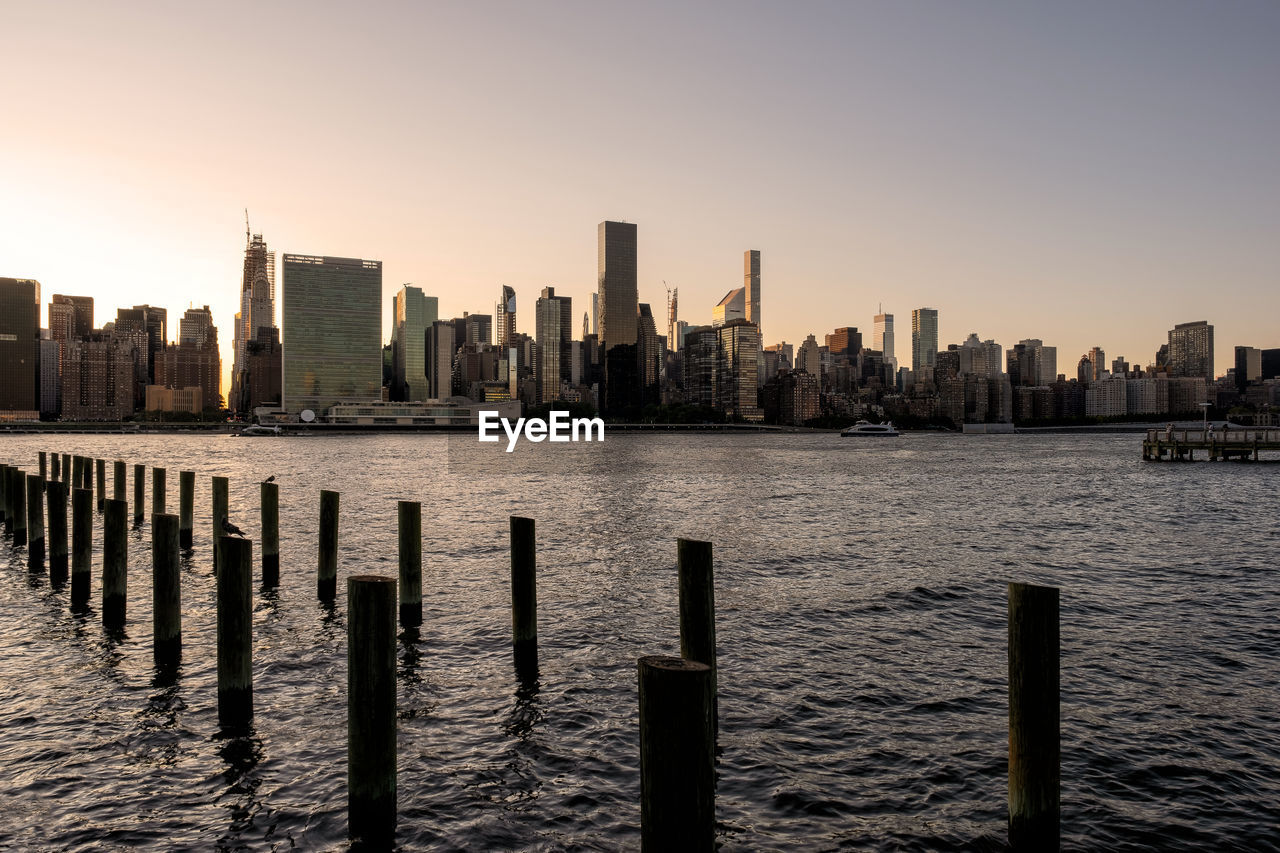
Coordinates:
[1067,182]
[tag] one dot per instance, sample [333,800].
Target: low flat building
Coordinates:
[457,411]
[162,399]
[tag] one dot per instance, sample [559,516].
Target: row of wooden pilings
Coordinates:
[678,711]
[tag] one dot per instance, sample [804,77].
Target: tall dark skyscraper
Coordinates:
[1191,350]
[751,286]
[70,317]
[19,348]
[619,307]
[506,316]
[257,311]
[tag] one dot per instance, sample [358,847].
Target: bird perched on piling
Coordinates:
[230,529]
[270,479]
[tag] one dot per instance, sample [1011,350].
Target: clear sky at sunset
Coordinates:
[1087,173]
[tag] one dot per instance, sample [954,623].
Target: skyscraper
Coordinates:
[732,307]
[737,369]
[1098,359]
[195,359]
[1191,350]
[257,310]
[553,314]
[442,346]
[924,341]
[882,336]
[751,287]
[70,317]
[19,349]
[415,313]
[506,317]
[619,307]
[650,351]
[332,332]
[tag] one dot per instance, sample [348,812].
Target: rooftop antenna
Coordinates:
[247,239]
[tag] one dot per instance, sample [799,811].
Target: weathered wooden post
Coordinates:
[166,591]
[101,466]
[44,466]
[56,494]
[327,568]
[115,564]
[77,475]
[158,491]
[55,467]
[371,709]
[220,510]
[698,611]
[18,505]
[269,500]
[4,497]
[81,545]
[235,632]
[66,472]
[139,494]
[186,507]
[1034,742]
[524,592]
[409,518]
[86,471]
[35,522]
[677,755]
[119,482]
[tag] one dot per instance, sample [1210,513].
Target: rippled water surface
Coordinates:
[861,595]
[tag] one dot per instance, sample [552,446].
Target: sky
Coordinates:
[1088,173]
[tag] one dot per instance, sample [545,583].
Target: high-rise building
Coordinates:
[650,351]
[19,349]
[1098,361]
[263,364]
[70,317]
[809,358]
[506,317]
[98,378]
[479,328]
[737,348]
[50,376]
[257,310]
[882,336]
[751,287]
[1191,350]
[1031,363]
[924,341]
[845,342]
[332,332]
[673,300]
[195,360]
[619,307]
[595,313]
[442,346]
[1248,366]
[981,358]
[700,348]
[732,307]
[414,314]
[550,312]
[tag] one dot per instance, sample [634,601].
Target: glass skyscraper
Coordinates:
[924,342]
[332,331]
[19,348]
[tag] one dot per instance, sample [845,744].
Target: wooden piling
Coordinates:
[1034,738]
[269,501]
[186,507]
[219,515]
[66,472]
[56,496]
[119,481]
[55,467]
[81,545]
[166,591]
[409,518]
[158,487]
[235,631]
[4,497]
[101,465]
[77,477]
[115,564]
[35,523]
[524,590]
[327,567]
[139,494]
[677,754]
[18,505]
[371,709]
[86,473]
[698,610]
[44,466]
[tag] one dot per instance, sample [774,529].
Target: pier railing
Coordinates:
[1219,443]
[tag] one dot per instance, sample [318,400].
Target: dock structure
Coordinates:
[1243,444]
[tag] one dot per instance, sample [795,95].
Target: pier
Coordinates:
[1225,444]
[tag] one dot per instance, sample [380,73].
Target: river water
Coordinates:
[861,596]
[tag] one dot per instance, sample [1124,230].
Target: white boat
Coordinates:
[261,429]
[865,428]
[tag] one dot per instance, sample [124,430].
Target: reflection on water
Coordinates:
[861,625]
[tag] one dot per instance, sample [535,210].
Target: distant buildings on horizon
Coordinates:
[328,352]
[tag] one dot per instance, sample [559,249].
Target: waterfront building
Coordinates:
[737,348]
[98,378]
[19,349]
[415,312]
[1248,366]
[924,341]
[50,376]
[189,400]
[699,363]
[332,332]
[70,317]
[263,365]
[551,314]
[456,412]
[1191,350]
[1107,398]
